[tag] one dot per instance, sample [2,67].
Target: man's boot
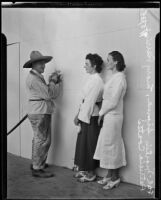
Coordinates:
[41,173]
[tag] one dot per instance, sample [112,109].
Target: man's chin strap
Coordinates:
[18,124]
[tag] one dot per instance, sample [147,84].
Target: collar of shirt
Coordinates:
[40,75]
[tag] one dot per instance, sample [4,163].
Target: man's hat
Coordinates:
[36,56]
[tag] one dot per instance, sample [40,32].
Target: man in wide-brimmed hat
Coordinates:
[40,109]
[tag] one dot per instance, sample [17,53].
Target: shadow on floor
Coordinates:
[21,185]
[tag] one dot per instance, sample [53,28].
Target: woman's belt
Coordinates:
[97,103]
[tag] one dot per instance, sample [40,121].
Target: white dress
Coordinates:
[110,148]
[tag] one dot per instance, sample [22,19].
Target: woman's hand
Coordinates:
[76,120]
[100,119]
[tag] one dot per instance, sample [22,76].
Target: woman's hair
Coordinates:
[117,56]
[95,59]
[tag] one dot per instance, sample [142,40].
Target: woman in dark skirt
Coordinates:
[87,119]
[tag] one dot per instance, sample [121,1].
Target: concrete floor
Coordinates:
[21,185]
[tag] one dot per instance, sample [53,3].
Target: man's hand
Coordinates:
[53,78]
[56,77]
[100,119]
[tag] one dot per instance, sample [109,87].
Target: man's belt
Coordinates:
[36,99]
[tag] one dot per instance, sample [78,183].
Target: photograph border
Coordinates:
[4,81]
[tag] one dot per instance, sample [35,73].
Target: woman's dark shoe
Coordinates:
[41,173]
[46,166]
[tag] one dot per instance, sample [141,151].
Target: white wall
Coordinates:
[13,100]
[68,35]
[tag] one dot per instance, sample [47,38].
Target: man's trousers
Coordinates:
[41,125]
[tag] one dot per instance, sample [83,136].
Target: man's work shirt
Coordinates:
[40,95]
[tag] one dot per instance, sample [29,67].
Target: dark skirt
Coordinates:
[86,145]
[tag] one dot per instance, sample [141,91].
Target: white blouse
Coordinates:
[90,94]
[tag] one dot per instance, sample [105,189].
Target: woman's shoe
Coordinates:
[112,184]
[80,174]
[86,178]
[105,180]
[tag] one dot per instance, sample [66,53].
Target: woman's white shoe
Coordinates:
[112,184]
[105,180]
[86,178]
[80,174]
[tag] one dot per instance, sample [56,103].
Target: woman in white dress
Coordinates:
[110,149]
[87,118]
